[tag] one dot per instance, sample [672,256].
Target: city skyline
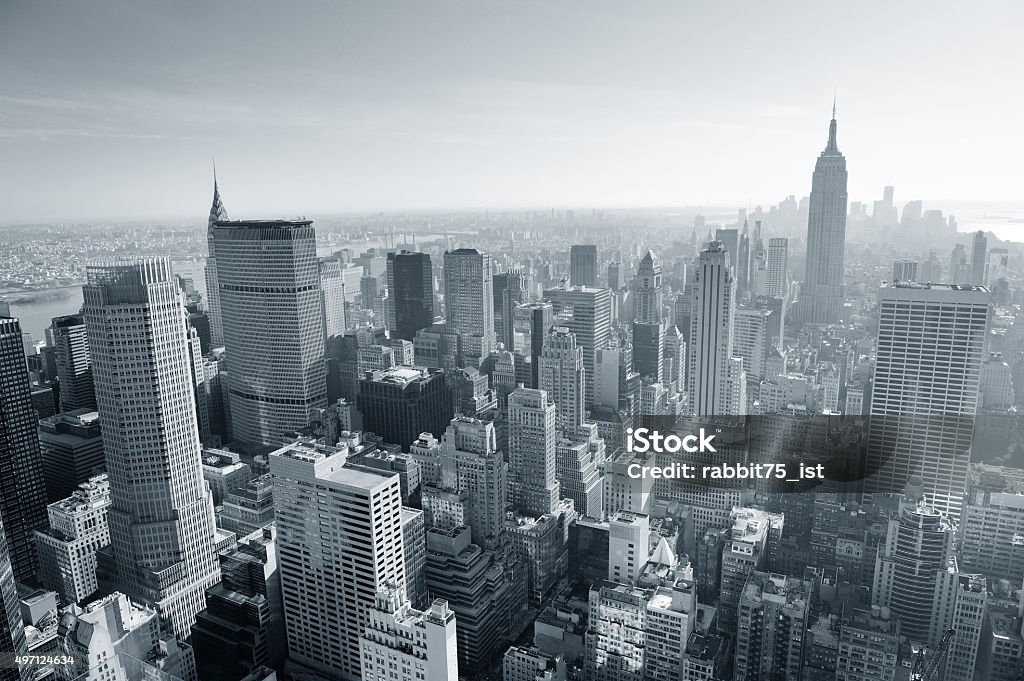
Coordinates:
[353,112]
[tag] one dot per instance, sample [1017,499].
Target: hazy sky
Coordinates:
[114,108]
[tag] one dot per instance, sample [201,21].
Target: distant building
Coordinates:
[583,265]
[74,365]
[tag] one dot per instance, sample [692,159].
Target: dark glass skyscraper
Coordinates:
[821,299]
[22,491]
[74,367]
[410,294]
[12,631]
[583,265]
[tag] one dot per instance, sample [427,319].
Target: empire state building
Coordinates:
[821,298]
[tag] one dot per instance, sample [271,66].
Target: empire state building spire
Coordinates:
[821,296]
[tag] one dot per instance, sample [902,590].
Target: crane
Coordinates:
[929,672]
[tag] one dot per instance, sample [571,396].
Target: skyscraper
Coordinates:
[777,267]
[401,403]
[74,368]
[269,283]
[338,548]
[12,630]
[773,622]
[586,312]
[22,489]
[715,379]
[562,377]
[648,324]
[647,290]
[510,290]
[218,213]
[410,294]
[161,514]
[405,644]
[472,463]
[583,265]
[469,304]
[332,297]
[821,299]
[979,257]
[930,346]
[534,489]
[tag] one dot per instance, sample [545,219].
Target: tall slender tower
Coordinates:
[647,289]
[531,452]
[648,324]
[469,303]
[979,257]
[161,514]
[562,377]
[777,267]
[821,300]
[273,329]
[218,213]
[22,489]
[410,294]
[715,380]
[74,368]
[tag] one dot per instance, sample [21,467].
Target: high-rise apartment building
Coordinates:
[773,612]
[340,542]
[218,213]
[404,644]
[715,380]
[74,369]
[746,551]
[22,489]
[930,347]
[469,304]
[161,513]
[583,265]
[269,283]
[563,378]
[821,298]
[533,487]
[869,647]
[410,294]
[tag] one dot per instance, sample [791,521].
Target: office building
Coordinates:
[400,403]
[563,378]
[161,514]
[469,304]
[414,540]
[242,627]
[511,289]
[72,450]
[715,379]
[476,587]
[979,258]
[120,639]
[532,322]
[773,612]
[746,551]
[751,340]
[218,213]
[869,646]
[77,530]
[270,299]
[12,630]
[821,298]
[333,307]
[406,644]
[583,265]
[337,550]
[930,347]
[904,270]
[579,468]
[249,509]
[647,291]
[777,268]
[617,632]
[628,546]
[533,488]
[992,523]
[410,294]
[587,313]
[471,463]
[74,368]
[22,489]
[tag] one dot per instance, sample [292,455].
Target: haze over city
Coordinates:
[113,110]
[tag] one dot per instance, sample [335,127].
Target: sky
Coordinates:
[114,109]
